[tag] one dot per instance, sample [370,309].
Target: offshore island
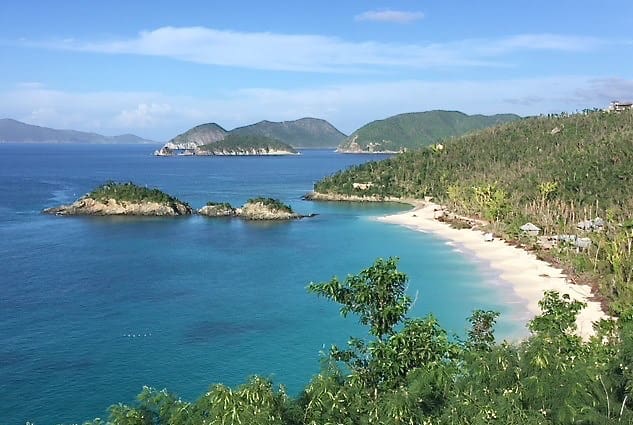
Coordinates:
[129,199]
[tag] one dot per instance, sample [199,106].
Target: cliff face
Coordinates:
[89,206]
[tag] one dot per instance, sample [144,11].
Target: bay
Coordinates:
[92,309]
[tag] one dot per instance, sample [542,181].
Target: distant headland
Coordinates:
[16,131]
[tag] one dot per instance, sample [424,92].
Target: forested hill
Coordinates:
[588,156]
[301,133]
[417,129]
[552,171]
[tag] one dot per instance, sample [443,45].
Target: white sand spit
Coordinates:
[529,276]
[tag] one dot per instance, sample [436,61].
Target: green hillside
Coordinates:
[246,143]
[301,133]
[551,171]
[199,135]
[417,129]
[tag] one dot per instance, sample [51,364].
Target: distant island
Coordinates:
[301,133]
[416,130]
[125,199]
[236,145]
[16,131]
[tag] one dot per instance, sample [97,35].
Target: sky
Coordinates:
[157,68]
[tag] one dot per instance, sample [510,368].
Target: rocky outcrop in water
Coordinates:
[254,209]
[217,210]
[89,206]
[114,198]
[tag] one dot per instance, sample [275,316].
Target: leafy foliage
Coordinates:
[242,143]
[554,171]
[412,373]
[130,192]
[271,203]
[304,132]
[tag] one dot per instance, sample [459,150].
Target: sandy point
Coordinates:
[528,276]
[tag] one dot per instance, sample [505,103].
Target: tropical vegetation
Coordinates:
[271,204]
[130,192]
[418,129]
[238,143]
[304,132]
[556,171]
[409,371]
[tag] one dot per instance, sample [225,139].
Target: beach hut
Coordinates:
[530,229]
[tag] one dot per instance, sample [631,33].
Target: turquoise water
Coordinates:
[93,308]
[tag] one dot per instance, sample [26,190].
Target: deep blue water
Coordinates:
[92,309]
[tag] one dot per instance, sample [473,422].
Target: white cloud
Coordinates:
[158,116]
[143,115]
[394,16]
[316,53]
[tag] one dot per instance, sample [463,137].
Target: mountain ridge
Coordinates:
[304,132]
[412,130]
[12,130]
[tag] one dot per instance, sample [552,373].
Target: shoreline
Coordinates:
[526,275]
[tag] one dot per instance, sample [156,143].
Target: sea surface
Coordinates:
[92,309]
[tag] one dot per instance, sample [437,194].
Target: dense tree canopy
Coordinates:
[411,372]
[554,171]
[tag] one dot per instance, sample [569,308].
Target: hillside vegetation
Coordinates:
[301,133]
[409,371]
[246,143]
[415,130]
[553,171]
[304,133]
[199,135]
[130,192]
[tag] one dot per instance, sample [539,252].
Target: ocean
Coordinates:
[93,308]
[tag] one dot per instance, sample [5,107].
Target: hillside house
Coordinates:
[362,186]
[617,106]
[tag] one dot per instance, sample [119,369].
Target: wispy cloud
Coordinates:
[316,53]
[393,16]
[348,106]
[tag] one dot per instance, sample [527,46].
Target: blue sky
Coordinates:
[158,68]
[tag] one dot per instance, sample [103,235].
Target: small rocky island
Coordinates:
[253,209]
[124,199]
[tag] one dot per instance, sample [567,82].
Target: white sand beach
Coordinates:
[528,276]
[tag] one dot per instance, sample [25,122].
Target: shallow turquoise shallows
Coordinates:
[92,309]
